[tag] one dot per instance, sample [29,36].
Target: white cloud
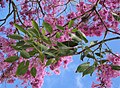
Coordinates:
[79,81]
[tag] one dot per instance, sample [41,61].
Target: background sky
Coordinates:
[68,78]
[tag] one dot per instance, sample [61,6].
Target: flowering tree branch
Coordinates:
[47,33]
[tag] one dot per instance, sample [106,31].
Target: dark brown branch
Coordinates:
[111,51]
[100,42]
[40,8]
[6,18]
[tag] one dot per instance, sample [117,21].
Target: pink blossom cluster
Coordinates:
[63,60]
[96,27]
[105,72]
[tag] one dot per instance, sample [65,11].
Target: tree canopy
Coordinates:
[44,34]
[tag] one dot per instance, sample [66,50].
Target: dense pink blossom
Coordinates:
[105,72]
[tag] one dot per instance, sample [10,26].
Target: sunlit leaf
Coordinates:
[33,52]
[82,56]
[70,43]
[50,61]
[11,59]
[48,27]
[24,54]
[90,56]
[74,37]
[74,30]
[26,46]
[115,67]
[50,54]
[60,27]
[16,47]
[70,24]
[15,36]
[82,67]
[93,42]
[22,68]
[20,43]
[99,55]
[117,17]
[43,31]
[20,28]
[34,32]
[35,25]
[82,36]
[58,34]
[89,70]
[33,71]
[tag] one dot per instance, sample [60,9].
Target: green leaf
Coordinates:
[50,54]
[35,25]
[29,42]
[33,52]
[16,47]
[70,24]
[82,36]
[60,44]
[43,47]
[20,43]
[60,27]
[24,54]
[43,31]
[74,30]
[20,28]
[66,52]
[90,56]
[46,39]
[48,27]
[33,71]
[26,46]
[31,33]
[115,67]
[117,17]
[87,49]
[27,63]
[82,67]
[75,37]
[12,59]
[15,36]
[93,42]
[21,65]
[70,43]
[41,56]
[58,34]
[82,56]
[34,32]
[22,68]
[50,61]
[89,70]
[99,54]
